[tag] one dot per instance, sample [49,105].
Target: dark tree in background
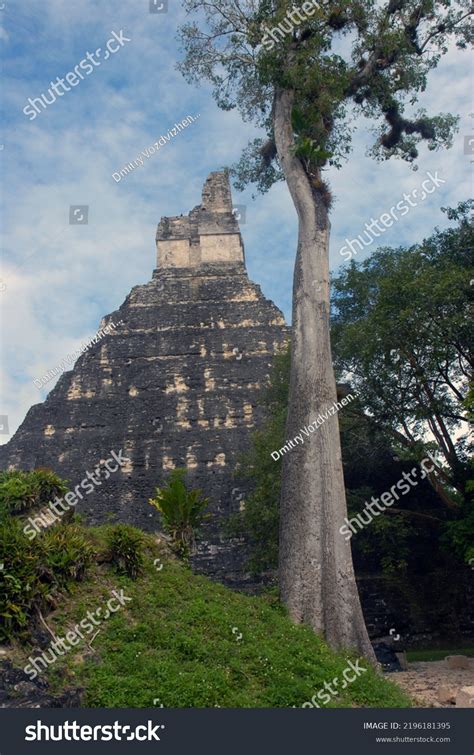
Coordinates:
[345,58]
[404,540]
[402,329]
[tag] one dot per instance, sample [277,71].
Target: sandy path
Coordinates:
[423,680]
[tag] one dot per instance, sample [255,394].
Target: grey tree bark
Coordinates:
[316,573]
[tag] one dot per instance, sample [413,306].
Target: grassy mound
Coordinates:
[184,641]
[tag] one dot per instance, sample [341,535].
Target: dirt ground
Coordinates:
[423,681]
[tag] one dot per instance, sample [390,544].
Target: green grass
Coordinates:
[436,655]
[174,643]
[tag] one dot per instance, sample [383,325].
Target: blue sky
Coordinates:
[57,280]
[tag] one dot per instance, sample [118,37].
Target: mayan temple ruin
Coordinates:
[175,384]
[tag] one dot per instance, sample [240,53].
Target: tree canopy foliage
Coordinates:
[402,331]
[348,57]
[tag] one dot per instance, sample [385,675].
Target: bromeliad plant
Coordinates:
[22,490]
[125,550]
[49,484]
[33,571]
[182,511]
[17,492]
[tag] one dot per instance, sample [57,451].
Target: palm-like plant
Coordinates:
[182,511]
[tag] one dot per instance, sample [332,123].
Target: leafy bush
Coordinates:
[66,553]
[459,534]
[181,510]
[31,571]
[125,546]
[49,484]
[20,491]
[387,542]
[22,591]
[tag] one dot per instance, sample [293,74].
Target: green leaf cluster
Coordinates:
[182,511]
[21,491]
[32,572]
[125,550]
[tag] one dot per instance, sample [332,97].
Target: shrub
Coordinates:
[22,590]
[20,491]
[459,534]
[181,510]
[32,571]
[125,546]
[49,484]
[66,553]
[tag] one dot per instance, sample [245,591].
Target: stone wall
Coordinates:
[424,610]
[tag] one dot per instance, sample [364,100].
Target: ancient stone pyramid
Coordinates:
[176,385]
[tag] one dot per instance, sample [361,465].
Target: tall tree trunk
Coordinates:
[317,580]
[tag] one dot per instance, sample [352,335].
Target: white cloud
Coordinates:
[61,279]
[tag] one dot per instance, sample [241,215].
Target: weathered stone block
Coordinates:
[465,697]
[209,234]
[458,661]
[446,694]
